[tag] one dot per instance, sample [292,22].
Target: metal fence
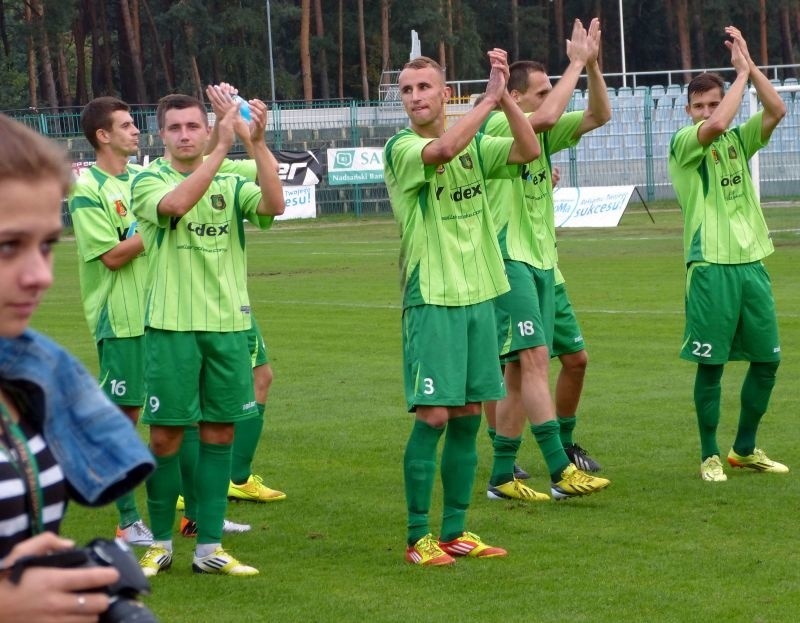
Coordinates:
[629,150]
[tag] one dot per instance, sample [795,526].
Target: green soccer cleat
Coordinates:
[427,553]
[155,560]
[254,490]
[469,544]
[575,483]
[711,470]
[515,490]
[758,461]
[220,562]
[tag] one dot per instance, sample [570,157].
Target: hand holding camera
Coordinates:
[44,582]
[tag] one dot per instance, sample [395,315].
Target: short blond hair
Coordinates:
[29,156]
[423,62]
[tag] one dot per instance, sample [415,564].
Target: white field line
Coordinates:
[579,311]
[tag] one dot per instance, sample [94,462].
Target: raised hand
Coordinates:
[740,57]
[578,49]
[258,113]
[736,35]
[498,76]
[222,100]
[593,41]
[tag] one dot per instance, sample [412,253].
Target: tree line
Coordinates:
[61,53]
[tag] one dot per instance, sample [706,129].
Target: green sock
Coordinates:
[247,434]
[547,437]
[419,467]
[707,392]
[163,487]
[565,427]
[128,513]
[756,391]
[190,447]
[491,432]
[505,455]
[459,460]
[213,476]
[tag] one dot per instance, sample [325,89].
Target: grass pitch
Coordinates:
[658,545]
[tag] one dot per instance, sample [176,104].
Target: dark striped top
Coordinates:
[15,520]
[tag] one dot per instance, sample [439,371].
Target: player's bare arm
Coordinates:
[774,106]
[526,146]
[719,119]
[272,202]
[123,253]
[554,105]
[598,108]
[449,144]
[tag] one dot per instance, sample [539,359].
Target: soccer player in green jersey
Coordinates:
[570,348]
[524,219]
[112,270]
[451,269]
[730,310]
[244,484]
[198,314]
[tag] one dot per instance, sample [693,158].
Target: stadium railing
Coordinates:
[630,150]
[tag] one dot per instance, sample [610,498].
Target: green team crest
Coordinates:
[218,202]
[466,161]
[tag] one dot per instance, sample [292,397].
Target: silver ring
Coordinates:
[81,601]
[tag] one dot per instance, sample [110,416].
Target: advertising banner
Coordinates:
[301,202]
[299,168]
[590,206]
[357,165]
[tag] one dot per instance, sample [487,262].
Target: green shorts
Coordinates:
[730,314]
[259,355]
[196,376]
[524,316]
[567,337]
[450,355]
[122,370]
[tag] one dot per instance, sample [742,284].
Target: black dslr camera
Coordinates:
[124,607]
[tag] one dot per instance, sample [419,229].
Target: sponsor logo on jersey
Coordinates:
[120,207]
[462,192]
[715,155]
[208,229]
[466,161]
[218,202]
[534,178]
[731,180]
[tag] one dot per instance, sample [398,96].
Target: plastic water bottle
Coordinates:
[244,108]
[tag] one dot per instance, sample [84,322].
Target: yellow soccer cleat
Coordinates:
[254,490]
[469,544]
[220,562]
[427,553]
[711,470]
[575,483]
[155,560]
[515,490]
[757,461]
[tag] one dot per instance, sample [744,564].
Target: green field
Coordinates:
[658,545]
